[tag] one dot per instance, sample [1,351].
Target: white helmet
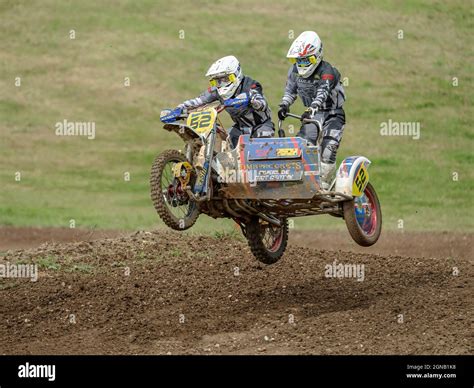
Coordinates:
[225,74]
[307,52]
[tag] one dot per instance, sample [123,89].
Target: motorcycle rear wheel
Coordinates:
[267,241]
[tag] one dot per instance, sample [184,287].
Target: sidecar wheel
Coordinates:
[267,241]
[363,217]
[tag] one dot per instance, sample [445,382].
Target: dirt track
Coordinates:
[86,303]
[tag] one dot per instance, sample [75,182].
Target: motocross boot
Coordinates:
[327,174]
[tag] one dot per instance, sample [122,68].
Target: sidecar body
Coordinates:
[269,168]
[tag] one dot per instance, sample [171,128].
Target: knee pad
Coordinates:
[329,150]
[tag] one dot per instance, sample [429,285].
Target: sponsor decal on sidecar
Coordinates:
[270,168]
[269,175]
[273,148]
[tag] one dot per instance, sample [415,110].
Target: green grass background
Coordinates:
[65,178]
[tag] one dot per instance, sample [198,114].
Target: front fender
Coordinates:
[352,175]
[186,133]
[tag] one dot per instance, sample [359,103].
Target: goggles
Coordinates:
[305,61]
[222,81]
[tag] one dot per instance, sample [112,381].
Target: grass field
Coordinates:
[425,78]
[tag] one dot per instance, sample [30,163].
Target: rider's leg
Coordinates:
[235,132]
[309,132]
[333,129]
[265,129]
[234,135]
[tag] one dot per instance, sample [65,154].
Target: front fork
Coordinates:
[201,190]
[188,151]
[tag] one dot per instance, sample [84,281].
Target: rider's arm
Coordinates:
[289,96]
[210,95]
[329,79]
[257,99]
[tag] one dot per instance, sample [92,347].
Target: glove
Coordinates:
[309,113]
[169,116]
[256,103]
[283,112]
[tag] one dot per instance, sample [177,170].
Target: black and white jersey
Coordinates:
[322,89]
[245,116]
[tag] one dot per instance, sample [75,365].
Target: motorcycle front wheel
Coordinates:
[170,200]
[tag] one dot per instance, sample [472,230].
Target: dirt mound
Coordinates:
[413,244]
[12,237]
[164,292]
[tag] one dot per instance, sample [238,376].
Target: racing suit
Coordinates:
[254,118]
[323,90]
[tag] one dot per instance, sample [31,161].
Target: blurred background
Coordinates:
[408,61]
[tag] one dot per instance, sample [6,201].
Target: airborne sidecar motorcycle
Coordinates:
[259,184]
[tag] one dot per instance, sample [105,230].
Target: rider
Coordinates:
[319,86]
[227,81]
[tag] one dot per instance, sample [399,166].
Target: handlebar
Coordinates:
[219,108]
[281,132]
[305,120]
[185,112]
